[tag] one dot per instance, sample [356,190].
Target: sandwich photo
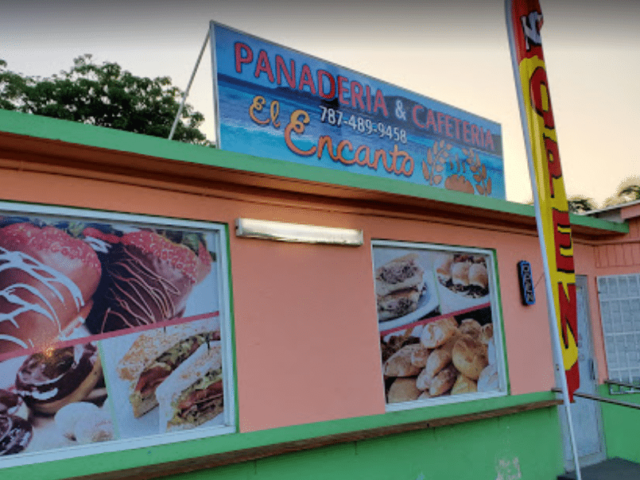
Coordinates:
[193,394]
[156,354]
[399,286]
[463,274]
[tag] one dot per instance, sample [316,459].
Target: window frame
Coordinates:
[220,238]
[496,320]
[613,327]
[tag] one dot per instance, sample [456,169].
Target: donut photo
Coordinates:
[55,398]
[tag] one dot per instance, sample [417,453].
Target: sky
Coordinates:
[454,51]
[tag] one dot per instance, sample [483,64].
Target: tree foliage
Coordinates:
[627,191]
[581,204]
[103,95]
[578,204]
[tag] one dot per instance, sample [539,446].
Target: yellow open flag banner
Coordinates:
[524,19]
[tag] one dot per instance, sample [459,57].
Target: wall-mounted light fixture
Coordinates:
[295,232]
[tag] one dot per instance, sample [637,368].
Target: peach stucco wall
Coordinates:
[306,332]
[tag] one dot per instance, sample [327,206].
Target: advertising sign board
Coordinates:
[275,102]
[440,336]
[112,328]
[524,22]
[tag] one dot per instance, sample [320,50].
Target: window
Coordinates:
[620,309]
[440,333]
[114,332]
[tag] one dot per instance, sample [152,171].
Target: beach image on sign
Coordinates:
[275,102]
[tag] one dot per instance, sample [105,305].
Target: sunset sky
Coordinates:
[453,51]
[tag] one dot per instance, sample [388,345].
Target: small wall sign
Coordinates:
[527,292]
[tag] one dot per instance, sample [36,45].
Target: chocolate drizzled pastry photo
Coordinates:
[47,280]
[49,380]
[147,279]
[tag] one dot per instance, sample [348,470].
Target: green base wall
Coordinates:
[522,445]
[525,445]
[622,435]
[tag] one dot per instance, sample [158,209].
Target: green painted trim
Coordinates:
[586,221]
[501,317]
[92,136]
[109,462]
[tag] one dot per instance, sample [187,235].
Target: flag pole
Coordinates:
[530,17]
[186,92]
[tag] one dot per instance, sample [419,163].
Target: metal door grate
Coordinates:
[619,297]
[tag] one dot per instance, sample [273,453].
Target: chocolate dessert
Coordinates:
[15,434]
[50,380]
[12,404]
[148,279]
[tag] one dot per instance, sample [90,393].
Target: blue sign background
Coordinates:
[355,123]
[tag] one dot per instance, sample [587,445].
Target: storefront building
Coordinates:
[304,353]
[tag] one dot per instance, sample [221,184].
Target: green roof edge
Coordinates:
[117,140]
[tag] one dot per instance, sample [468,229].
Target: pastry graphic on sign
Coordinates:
[148,279]
[47,279]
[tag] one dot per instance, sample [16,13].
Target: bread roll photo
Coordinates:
[399,364]
[437,333]
[464,385]
[403,390]
[420,355]
[469,326]
[443,382]
[438,360]
[470,356]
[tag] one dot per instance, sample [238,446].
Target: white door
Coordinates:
[586,415]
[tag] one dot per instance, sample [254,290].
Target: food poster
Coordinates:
[108,331]
[439,334]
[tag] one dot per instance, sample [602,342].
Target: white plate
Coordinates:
[427,304]
[452,302]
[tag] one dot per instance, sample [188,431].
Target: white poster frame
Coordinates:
[220,233]
[496,320]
